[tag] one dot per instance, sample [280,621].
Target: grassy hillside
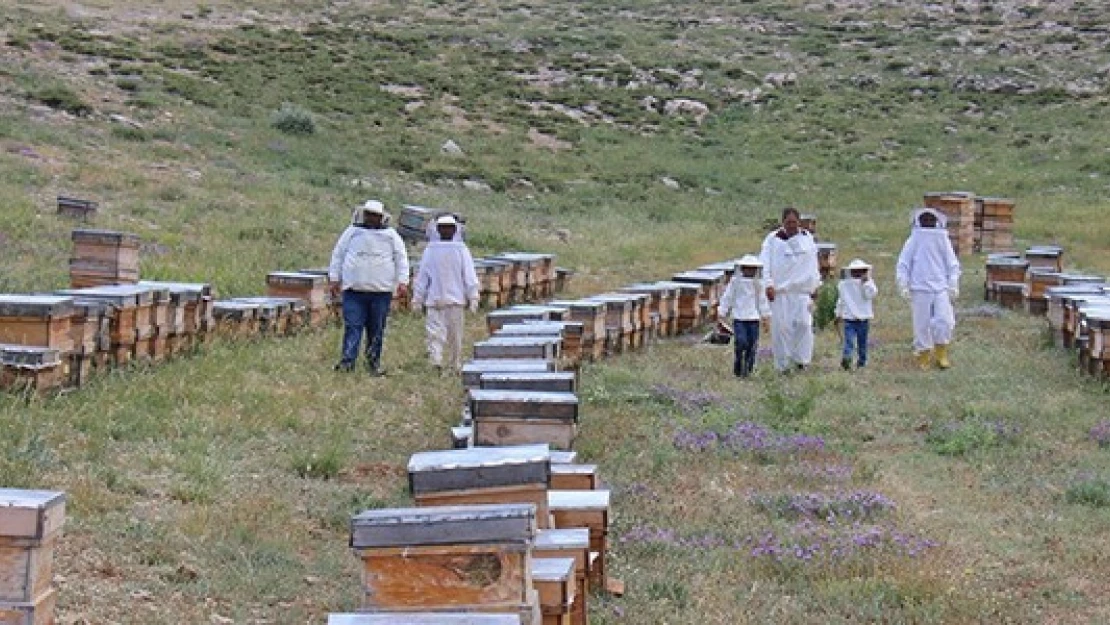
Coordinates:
[235,137]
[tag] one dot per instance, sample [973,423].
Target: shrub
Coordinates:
[825,309]
[1090,491]
[293,120]
[62,98]
[960,438]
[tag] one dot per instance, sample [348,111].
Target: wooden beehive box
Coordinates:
[569,332]
[544,381]
[495,319]
[30,523]
[563,456]
[574,477]
[1073,303]
[426,618]
[826,259]
[311,287]
[1003,268]
[446,558]
[472,371]
[591,314]
[76,207]
[42,320]
[30,367]
[525,347]
[1010,294]
[523,417]
[554,581]
[562,280]
[487,475]
[569,543]
[236,319]
[1049,257]
[994,224]
[103,257]
[711,283]
[589,509]
[687,308]
[1057,314]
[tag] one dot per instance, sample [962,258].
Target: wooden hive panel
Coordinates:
[554,581]
[29,517]
[425,618]
[478,467]
[574,477]
[26,572]
[499,431]
[472,371]
[526,347]
[544,381]
[513,523]
[539,405]
[37,612]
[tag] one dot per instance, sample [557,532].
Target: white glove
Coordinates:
[904,292]
[953,292]
[473,306]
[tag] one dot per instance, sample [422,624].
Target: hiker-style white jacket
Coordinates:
[367,259]
[446,276]
[927,262]
[790,265]
[854,297]
[745,299]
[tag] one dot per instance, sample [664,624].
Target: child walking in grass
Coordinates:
[855,294]
[743,307]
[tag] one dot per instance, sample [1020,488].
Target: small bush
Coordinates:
[293,120]
[324,465]
[62,98]
[825,309]
[1094,492]
[961,438]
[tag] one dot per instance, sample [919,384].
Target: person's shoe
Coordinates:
[344,366]
[942,357]
[924,359]
[860,365]
[845,364]
[375,370]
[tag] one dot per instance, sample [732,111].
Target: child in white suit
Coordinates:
[743,306]
[855,294]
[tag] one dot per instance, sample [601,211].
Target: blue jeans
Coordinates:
[745,337]
[855,338]
[364,311]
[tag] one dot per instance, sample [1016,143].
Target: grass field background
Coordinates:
[235,137]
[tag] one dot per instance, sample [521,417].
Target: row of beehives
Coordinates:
[509,498]
[1076,305]
[975,223]
[30,527]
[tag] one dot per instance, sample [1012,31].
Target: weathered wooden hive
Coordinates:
[30,525]
[517,417]
[103,257]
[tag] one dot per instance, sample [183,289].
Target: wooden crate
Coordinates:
[524,347]
[432,472]
[76,207]
[554,581]
[42,320]
[473,557]
[425,618]
[826,259]
[571,543]
[574,477]
[523,404]
[472,371]
[1049,257]
[310,287]
[589,509]
[544,381]
[103,257]
[31,368]
[1010,294]
[1003,268]
[37,612]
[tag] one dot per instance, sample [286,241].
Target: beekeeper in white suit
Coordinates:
[928,275]
[445,287]
[791,276]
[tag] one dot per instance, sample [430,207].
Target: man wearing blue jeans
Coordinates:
[855,293]
[368,264]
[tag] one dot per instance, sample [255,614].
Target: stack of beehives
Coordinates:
[994,225]
[30,526]
[102,257]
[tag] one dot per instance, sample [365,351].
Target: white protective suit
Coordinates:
[930,272]
[368,259]
[446,284]
[745,299]
[790,266]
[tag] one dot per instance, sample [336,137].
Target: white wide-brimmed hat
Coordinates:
[446,220]
[373,206]
[857,263]
[749,260]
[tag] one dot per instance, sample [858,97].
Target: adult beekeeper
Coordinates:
[445,286]
[928,275]
[791,277]
[368,264]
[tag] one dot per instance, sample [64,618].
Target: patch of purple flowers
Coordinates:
[688,401]
[748,437]
[854,505]
[1100,433]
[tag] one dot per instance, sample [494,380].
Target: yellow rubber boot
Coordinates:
[924,359]
[942,357]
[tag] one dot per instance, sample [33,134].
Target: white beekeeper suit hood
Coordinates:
[928,262]
[942,219]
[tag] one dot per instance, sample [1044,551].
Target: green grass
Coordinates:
[223,483]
